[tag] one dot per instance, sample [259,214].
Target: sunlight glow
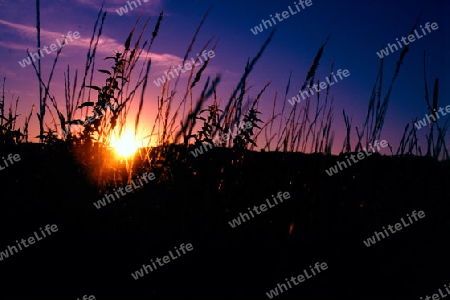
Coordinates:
[126,145]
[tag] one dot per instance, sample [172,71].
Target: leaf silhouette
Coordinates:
[77,122]
[86,104]
[104,71]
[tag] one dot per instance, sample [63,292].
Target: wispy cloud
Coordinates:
[10,45]
[106,45]
[24,30]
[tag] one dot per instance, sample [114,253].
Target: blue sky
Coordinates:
[358,29]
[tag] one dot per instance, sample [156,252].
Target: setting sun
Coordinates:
[125,145]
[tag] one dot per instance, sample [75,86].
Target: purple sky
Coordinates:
[358,30]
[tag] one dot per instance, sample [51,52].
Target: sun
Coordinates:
[126,145]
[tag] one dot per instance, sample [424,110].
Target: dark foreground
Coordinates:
[95,251]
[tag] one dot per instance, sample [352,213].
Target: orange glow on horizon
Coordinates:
[126,145]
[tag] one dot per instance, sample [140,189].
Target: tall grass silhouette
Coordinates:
[89,125]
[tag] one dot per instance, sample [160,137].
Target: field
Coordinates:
[325,220]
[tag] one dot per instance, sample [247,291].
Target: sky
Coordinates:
[357,30]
